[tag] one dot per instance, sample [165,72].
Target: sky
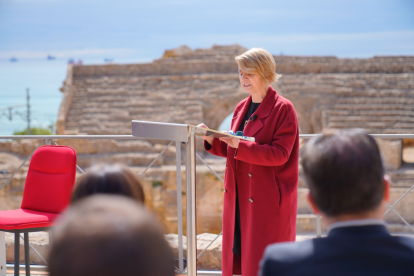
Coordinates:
[138,31]
[135,31]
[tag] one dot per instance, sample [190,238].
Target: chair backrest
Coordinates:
[50,179]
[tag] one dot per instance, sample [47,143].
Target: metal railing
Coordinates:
[180,134]
[49,139]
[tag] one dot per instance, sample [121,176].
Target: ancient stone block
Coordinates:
[391,152]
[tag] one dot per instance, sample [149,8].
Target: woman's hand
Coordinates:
[209,139]
[232,142]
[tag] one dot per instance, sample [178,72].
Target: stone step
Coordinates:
[356,118]
[135,104]
[131,103]
[373,100]
[349,79]
[390,127]
[370,106]
[128,159]
[373,127]
[373,92]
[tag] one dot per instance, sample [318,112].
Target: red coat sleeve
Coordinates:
[278,152]
[218,148]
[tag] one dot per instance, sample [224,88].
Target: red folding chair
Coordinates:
[47,193]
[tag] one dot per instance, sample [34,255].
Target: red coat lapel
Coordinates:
[262,112]
[238,119]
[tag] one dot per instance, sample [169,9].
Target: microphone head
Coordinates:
[254,117]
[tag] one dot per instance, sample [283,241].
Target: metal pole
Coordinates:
[2,254]
[29,132]
[26,253]
[48,142]
[16,254]
[318,226]
[191,207]
[179,207]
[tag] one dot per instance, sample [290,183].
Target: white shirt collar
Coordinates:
[356,222]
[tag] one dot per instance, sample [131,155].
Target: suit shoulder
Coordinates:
[408,242]
[289,251]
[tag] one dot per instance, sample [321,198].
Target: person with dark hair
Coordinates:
[108,179]
[347,186]
[106,235]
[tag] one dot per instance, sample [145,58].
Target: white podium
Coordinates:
[180,133]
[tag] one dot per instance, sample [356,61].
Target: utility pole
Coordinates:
[28,112]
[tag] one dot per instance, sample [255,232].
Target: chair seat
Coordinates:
[25,218]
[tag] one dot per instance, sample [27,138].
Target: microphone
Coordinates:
[254,117]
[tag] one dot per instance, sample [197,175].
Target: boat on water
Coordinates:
[13,59]
[50,57]
[108,59]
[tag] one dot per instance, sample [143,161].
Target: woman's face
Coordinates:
[251,83]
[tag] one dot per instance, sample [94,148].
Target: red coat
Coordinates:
[266,173]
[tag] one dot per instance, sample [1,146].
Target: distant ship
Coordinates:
[108,59]
[13,59]
[50,57]
[72,61]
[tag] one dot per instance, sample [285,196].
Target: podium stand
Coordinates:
[180,133]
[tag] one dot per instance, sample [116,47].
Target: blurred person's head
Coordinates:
[257,70]
[345,175]
[106,235]
[108,179]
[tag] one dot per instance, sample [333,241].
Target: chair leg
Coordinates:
[16,253]
[27,253]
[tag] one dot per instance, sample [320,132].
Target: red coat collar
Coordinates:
[262,112]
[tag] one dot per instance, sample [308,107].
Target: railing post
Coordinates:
[48,141]
[2,254]
[179,207]
[318,226]
[191,206]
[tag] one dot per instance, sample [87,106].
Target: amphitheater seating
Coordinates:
[378,103]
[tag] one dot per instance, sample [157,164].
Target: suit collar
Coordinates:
[262,112]
[355,222]
[364,230]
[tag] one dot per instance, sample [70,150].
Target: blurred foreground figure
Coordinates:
[108,179]
[105,235]
[348,188]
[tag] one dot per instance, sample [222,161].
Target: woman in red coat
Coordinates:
[260,184]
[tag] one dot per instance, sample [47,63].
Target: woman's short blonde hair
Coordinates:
[259,61]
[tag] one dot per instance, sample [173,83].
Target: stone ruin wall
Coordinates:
[187,86]
[203,85]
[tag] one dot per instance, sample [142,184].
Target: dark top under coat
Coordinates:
[237,232]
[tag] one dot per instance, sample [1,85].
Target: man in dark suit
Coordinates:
[347,186]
